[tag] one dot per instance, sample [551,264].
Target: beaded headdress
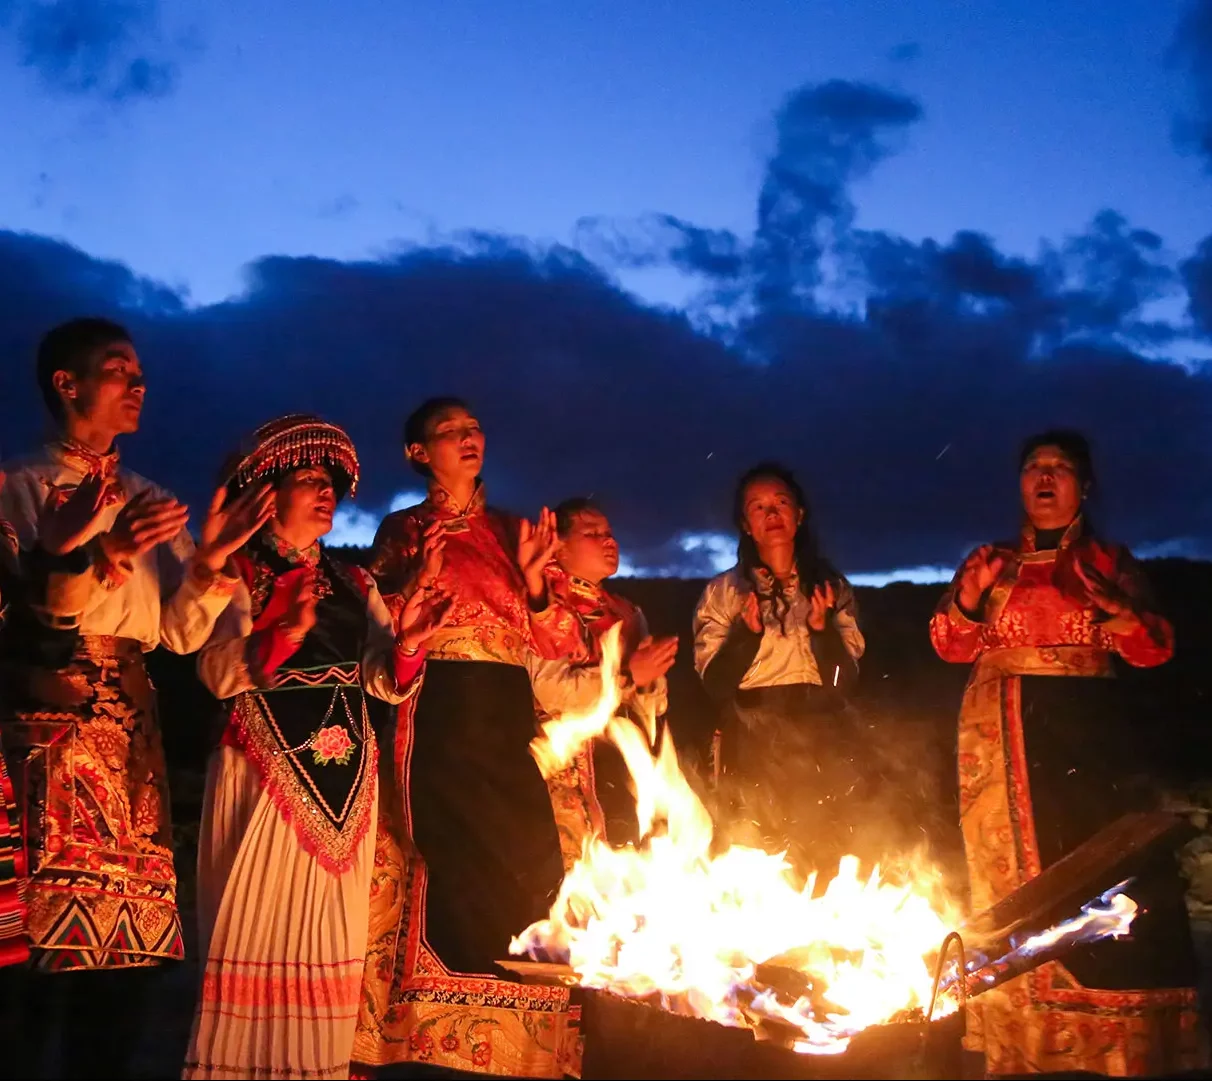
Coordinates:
[292,442]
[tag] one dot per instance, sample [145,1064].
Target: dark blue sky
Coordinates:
[305,127]
[813,162]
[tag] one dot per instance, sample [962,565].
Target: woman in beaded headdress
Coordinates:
[285,851]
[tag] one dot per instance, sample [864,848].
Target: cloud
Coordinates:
[101,49]
[1197,274]
[905,53]
[1191,50]
[339,207]
[900,409]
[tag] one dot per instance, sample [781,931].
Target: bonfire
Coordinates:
[741,937]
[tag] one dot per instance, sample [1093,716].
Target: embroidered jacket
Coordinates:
[1039,601]
[491,618]
[573,682]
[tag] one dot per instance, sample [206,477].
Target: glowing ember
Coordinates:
[730,937]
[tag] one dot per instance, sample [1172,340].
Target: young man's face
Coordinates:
[110,395]
[588,550]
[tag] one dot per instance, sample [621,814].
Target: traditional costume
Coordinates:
[286,846]
[591,796]
[468,852]
[83,738]
[1047,756]
[789,757]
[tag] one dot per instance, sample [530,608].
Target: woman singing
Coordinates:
[1047,753]
[286,846]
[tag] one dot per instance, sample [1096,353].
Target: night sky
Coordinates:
[651,241]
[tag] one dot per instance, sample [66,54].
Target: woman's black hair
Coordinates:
[812,568]
[1071,443]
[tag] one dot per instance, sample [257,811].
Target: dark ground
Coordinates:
[908,697]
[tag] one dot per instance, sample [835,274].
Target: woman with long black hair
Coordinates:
[777,644]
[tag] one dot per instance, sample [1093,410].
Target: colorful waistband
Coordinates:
[477,644]
[1044,661]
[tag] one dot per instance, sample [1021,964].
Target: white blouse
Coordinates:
[782,657]
[163,597]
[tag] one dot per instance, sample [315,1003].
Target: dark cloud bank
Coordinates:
[896,377]
[108,50]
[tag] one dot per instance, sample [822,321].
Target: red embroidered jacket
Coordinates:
[1039,600]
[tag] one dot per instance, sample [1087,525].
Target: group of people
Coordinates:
[374,829]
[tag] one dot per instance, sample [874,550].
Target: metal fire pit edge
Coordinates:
[629,1039]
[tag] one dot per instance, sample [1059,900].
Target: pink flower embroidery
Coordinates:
[332,744]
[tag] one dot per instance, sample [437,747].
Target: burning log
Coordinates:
[1090,870]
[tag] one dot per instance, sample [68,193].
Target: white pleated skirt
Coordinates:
[284,939]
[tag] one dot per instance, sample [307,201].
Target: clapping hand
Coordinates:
[819,605]
[978,574]
[301,601]
[145,521]
[536,545]
[229,525]
[751,613]
[433,544]
[425,611]
[1105,595]
[651,659]
[64,525]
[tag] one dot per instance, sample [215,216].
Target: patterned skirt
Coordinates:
[83,744]
[1046,758]
[461,790]
[14,946]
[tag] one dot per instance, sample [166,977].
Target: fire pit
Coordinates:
[628,1039]
[692,962]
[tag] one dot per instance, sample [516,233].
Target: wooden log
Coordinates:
[1105,860]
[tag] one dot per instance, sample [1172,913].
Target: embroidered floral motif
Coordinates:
[332,744]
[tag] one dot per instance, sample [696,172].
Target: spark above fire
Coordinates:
[736,936]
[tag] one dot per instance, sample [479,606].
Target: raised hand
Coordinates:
[536,545]
[979,573]
[300,615]
[425,611]
[1105,595]
[229,525]
[64,525]
[751,613]
[433,545]
[651,659]
[141,524]
[819,604]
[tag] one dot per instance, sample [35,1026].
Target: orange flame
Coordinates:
[669,919]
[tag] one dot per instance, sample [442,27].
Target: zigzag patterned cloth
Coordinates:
[90,780]
[14,947]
